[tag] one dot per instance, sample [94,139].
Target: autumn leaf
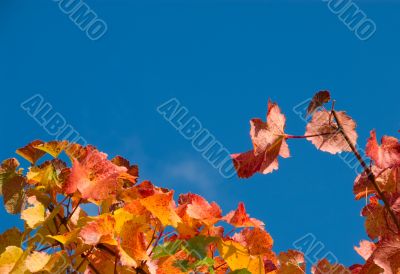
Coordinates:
[240,218]
[99,230]
[57,263]
[269,142]
[292,262]
[377,223]
[132,244]
[30,152]
[102,262]
[9,237]
[237,257]
[12,186]
[198,208]
[66,238]
[365,249]
[34,214]
[9,258]
[257,240]
[54,148]
[168,264]
[319,99]
[387,254]
[50,174]
[77,151]
[324,267]
[325,134]
[385,179]
[387,154]
[132,173]
[133,211]
[36,261]
[162,206]
[94,176]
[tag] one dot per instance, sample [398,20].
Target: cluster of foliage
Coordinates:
[139,228]
[379,183]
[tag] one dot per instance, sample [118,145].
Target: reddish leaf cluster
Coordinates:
[140,228]
[334,132]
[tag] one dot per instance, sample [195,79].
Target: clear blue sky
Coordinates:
[223,60]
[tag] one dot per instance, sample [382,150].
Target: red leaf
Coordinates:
[385,155]
[319,99]
[94,176]
[239,218]
[269,142]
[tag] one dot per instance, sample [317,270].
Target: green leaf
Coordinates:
[166,249]
[198,245]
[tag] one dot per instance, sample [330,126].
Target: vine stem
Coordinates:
[287,136]
[367,170]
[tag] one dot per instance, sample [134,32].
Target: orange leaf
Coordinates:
[239,218]
[94,176]
[100,230]
[30,152]
[162,206]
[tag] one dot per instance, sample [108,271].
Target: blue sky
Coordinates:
[222,60]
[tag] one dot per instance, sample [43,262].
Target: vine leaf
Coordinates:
[269,142]
[387,154]
[30,152]
[319,99]
[326,135]
[94,176]
[240,218]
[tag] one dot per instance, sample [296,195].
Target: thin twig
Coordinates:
[73,211]
[308,136]
[156,243]
[368,171]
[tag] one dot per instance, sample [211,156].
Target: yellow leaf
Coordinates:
[54,148]
[36,261]
[9,258]
[66,238]
[134,211]
[58,262]
[34,215]
[237,257]
[47,174]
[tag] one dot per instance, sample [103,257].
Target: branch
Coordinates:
[287,136]
[368,171]
[73,211]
